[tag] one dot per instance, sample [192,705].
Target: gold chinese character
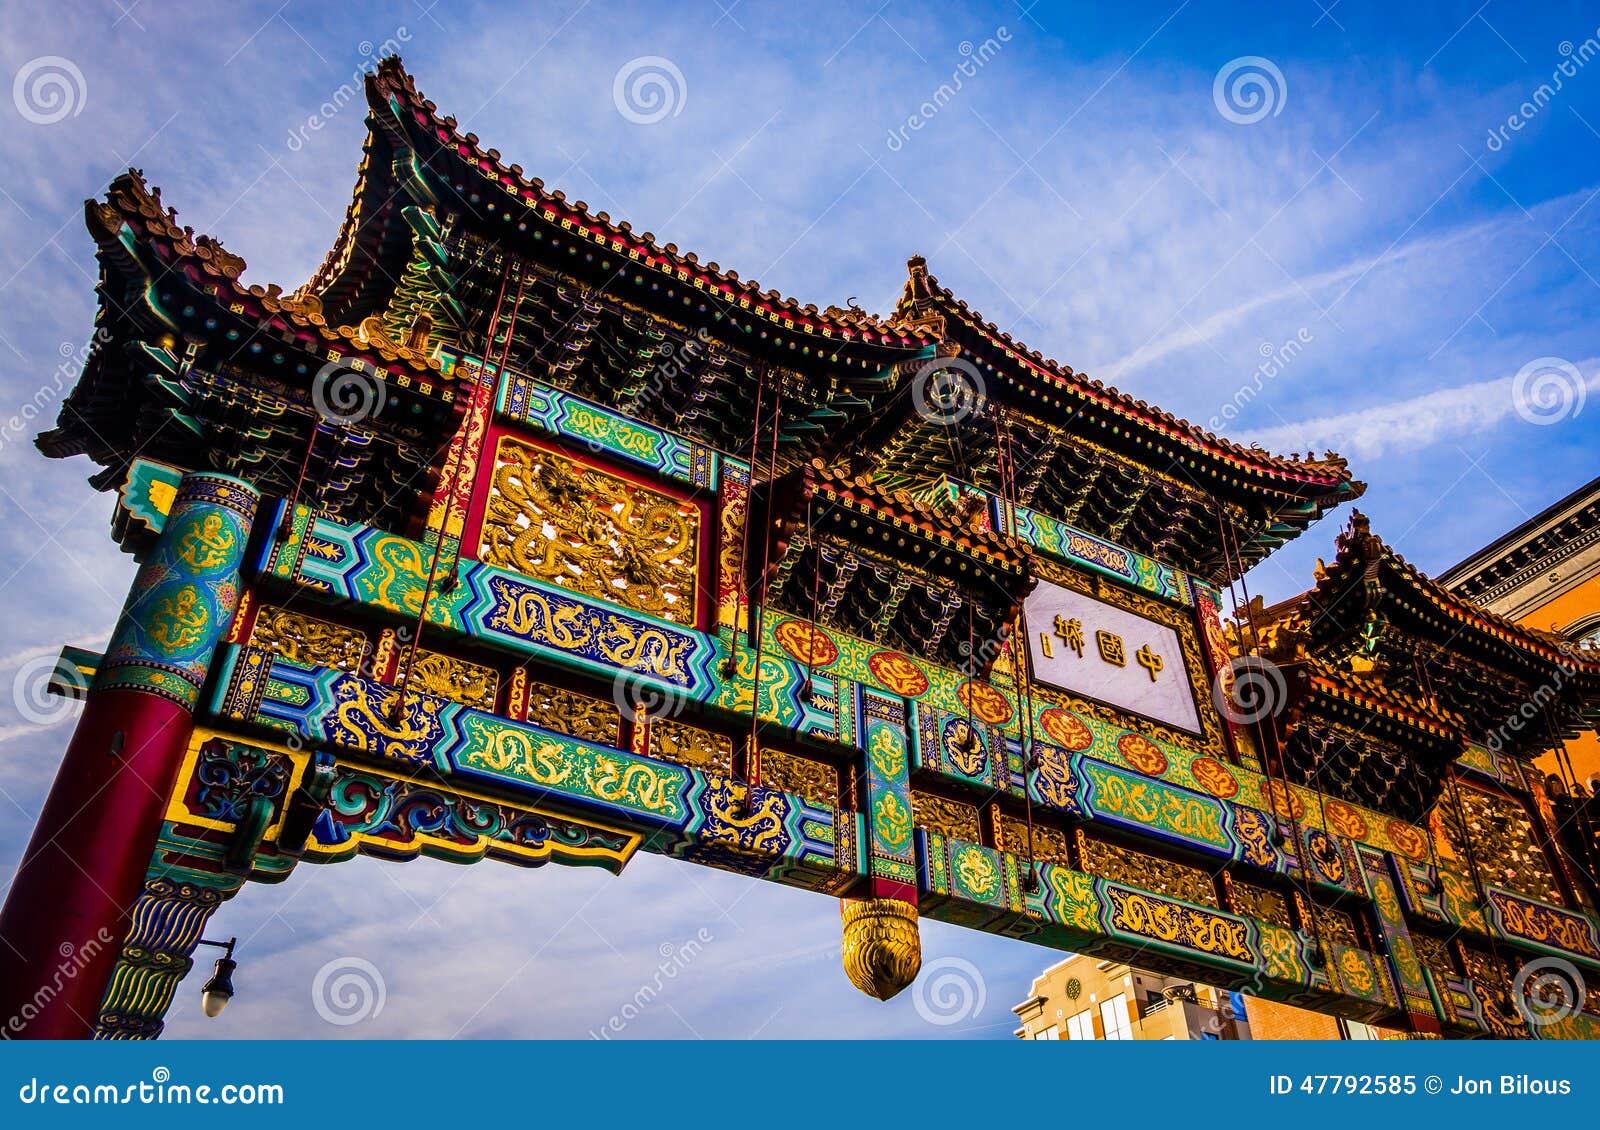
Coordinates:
[1111,649]
[1044,645]
[1071,633]
[1150,661]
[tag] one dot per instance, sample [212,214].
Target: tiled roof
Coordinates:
[923,291]
[130,201]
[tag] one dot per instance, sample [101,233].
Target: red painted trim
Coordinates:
[892,889]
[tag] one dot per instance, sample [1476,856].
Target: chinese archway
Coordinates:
[518,533]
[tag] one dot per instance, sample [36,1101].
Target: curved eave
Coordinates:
[132,224]
[826,334]
[1438,722]
[366,246]
[1407,587]
[1325,483]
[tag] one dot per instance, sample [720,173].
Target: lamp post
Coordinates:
[218,991]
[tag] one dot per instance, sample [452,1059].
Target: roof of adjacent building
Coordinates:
[1558,534]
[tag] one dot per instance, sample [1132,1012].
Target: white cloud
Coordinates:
[1421,421]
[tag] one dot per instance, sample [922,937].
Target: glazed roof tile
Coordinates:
[1359,548]
[390,81]
[1331,472]
[903,507]
[129,200]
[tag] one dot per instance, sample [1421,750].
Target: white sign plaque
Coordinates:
[1098,651]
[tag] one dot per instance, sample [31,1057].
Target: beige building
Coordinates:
[1085,998]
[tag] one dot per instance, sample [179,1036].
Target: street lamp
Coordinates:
[218,991]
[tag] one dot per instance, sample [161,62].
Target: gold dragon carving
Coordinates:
[566,524]
[568,712]
[459,680]
[308,641]
[816,782]
[690,745]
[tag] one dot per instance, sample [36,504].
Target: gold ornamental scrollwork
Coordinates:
[556,520]
[308,641]
[459,680]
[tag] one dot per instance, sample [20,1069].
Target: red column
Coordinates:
[68,909]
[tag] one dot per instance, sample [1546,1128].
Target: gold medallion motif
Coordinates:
[1066,729]
[1213,776]
[1142,754]
[985,703]
[898,673]
[807,643]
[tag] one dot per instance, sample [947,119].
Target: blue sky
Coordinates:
[1084,189]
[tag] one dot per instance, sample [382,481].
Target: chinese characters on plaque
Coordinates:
[1102,652]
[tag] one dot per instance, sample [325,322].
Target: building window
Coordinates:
[1586,633]
[1114,1015]
[1050,1033]
[1081,1025]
